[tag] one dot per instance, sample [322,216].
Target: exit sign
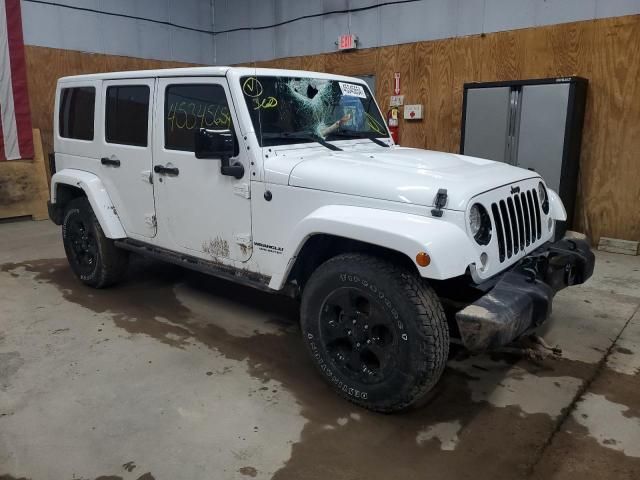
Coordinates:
[347,42]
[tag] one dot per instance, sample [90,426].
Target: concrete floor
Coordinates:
[174,375]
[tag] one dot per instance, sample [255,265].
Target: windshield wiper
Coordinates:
[302,136]
[354,134]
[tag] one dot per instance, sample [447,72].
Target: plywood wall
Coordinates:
[604,51]
[433,73]
[23,185]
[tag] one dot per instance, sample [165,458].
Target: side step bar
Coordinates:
[216,269]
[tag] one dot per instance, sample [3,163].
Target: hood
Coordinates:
[402,174]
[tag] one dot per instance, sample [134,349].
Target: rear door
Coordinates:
[125,163]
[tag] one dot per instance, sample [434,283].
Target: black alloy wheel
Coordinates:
[358,335]
[93,257]
[84,246]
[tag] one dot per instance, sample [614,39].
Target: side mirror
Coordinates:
[219,144]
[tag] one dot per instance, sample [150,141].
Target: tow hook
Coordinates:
[569,274]
[532,274]
[530,268]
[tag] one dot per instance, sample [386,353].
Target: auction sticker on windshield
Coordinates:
[352,90]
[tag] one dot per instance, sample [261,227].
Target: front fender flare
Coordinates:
[446,243]
[96,194]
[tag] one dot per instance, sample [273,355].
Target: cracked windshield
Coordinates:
[287,110]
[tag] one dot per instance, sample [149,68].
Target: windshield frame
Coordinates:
[337,134]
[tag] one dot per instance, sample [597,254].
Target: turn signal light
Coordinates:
[423,259]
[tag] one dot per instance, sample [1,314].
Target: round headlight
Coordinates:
[475,219]
[542,195]
[480,224]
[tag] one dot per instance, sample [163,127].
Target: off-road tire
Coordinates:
[110,262]
[414,311]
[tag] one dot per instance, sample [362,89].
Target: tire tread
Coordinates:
[430,321]
[113,261]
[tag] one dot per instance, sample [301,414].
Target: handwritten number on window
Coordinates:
[191,116]
[269,102]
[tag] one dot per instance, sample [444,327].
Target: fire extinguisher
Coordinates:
[392,123]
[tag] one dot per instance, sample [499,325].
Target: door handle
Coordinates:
[114,162]
[166,170]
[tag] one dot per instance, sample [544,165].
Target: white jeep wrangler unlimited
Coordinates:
[288,181]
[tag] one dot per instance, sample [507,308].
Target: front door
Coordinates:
[125,164]
[199,210]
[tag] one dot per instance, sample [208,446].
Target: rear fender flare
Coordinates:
[96,194]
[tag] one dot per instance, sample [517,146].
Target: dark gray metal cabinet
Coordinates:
[534,124]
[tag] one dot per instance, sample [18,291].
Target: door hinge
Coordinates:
[243,239]
[150,219]
[242,190]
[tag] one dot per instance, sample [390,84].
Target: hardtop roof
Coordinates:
[201,72]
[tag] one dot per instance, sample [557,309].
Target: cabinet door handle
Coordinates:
[113,162]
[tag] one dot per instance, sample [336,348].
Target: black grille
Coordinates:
[517,222]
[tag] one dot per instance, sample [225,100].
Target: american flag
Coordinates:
[16,140]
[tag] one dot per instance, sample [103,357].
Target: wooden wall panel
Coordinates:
[359,62]
[610,170]
[433,73]
[440,98]
[24,190]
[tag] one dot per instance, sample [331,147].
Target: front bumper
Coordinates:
[521,299]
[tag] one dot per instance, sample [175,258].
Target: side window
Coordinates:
[127,115]
[188,108]
[77,107]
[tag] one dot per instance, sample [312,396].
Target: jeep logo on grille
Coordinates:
[515,190]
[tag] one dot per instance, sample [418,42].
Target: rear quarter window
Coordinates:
[76,115]
[127,115]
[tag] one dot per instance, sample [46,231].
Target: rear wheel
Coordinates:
[375,330]
[93,257]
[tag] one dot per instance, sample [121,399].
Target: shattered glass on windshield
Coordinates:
[295,110]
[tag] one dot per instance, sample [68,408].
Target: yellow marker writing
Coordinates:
[269,102]
[252,87]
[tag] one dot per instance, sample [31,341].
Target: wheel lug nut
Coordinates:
[368,342]
[358,345]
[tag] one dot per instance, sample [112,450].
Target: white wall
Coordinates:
[59,27]
[386,25]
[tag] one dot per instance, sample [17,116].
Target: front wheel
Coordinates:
[375,330]
[93,257]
